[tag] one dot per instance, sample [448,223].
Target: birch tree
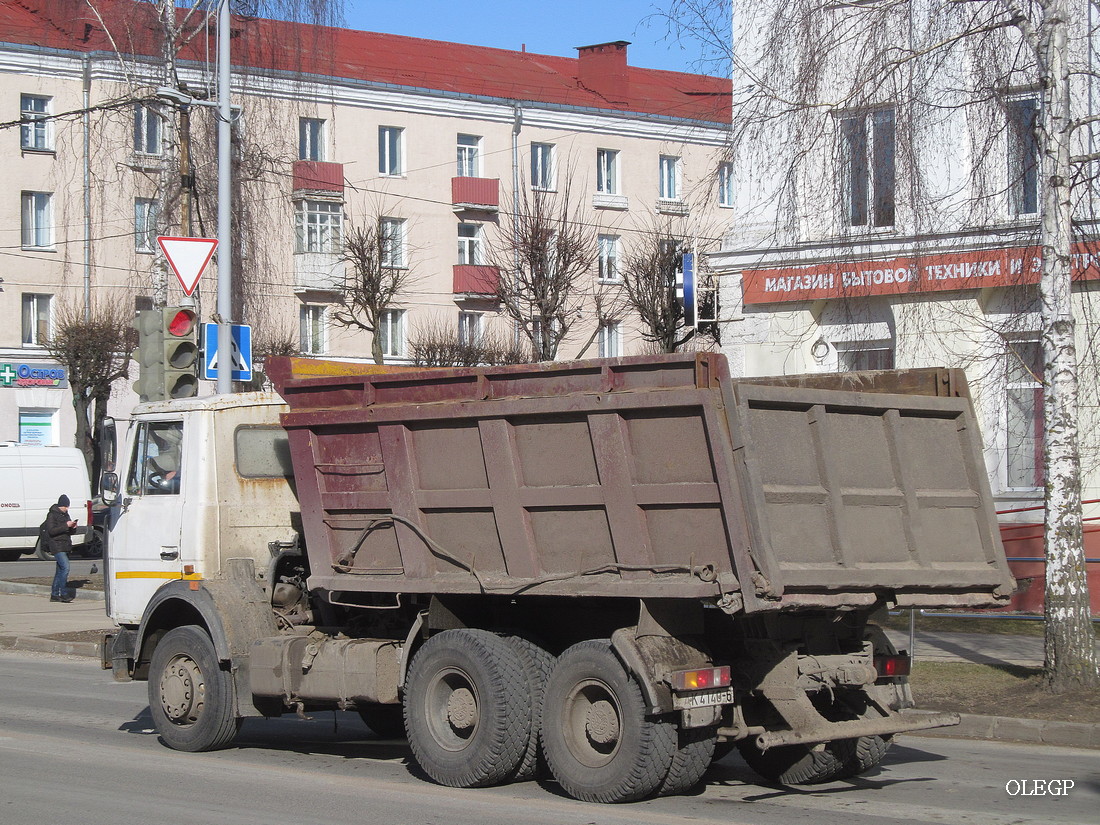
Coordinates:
[800,67]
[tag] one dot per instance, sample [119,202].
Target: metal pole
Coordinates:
[86,120]
[225,199]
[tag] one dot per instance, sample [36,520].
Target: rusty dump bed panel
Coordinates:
[640,477]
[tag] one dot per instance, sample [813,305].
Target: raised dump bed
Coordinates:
[645,477]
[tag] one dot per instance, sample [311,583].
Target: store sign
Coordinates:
[913,273]
[15,374]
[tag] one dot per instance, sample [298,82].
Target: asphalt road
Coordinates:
[77,747]
[30,567]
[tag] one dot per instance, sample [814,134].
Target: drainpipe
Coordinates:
[517,125]
[86,119]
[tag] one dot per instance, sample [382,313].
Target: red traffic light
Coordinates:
[182,323]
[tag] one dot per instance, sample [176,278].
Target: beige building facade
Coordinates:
[427,141]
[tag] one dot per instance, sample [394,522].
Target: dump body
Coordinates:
[638,478]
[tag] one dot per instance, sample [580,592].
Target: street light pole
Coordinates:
[225,199]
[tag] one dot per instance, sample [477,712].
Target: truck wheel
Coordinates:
[190,696]
[467,708]
[794,764]
[599,743]
[694,753]
[863,754]
[387,721]
[43,552]
[538,663]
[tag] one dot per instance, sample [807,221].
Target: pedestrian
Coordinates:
[59,530]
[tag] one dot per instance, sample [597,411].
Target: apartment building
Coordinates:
[337,131]
[896,224]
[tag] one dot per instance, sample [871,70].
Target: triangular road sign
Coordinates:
[188,258]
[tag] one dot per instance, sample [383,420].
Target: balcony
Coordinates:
[475,194]
[318,272]
[475,280]
[318,176]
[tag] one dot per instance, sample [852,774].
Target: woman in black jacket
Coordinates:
[59,530]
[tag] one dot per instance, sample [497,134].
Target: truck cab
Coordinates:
[197,481]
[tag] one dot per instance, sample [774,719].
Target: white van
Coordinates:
[31,479]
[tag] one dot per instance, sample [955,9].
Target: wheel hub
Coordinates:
[461,709]
[181,689]
[601,723]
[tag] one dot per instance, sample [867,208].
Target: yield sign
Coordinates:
[188,257]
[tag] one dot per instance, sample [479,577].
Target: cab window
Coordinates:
[155,466]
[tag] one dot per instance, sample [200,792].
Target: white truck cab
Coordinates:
[199,481]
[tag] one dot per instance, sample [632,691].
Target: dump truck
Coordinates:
[614,570]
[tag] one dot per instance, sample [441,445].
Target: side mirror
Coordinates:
[108,487]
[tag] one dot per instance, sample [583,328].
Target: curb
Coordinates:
[37,644]
[24,589]
[1011,729]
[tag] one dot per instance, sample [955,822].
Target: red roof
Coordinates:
[265,45]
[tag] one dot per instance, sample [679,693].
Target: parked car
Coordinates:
[31,479]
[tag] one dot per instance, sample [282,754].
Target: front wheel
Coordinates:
[43,551]
[599,743]
[191,698]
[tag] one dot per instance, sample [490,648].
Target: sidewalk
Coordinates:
[27,616]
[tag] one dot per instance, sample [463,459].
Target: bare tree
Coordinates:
[545,257]
[376,275]
[437,343]
[95,350]
[805,59]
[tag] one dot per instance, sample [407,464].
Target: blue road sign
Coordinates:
[691,307]
[241,355]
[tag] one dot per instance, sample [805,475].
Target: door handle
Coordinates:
[169,555]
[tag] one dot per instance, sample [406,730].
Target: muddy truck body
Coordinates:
[614,570]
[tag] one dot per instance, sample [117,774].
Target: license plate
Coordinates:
[703,698]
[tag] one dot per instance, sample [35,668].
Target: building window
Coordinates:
[469,244]
[469,328]
[36,319]
[318,226]
[145,224]
[609,258]
[311,138]
[390,160]
[1023,156]
[34,131]
[37,220]
[670,178]
[867,143]
[607,171]
[611,344]
[1024,414]
[312,320]
[147,130]
[725,184]
[469,156]
[393,242]
[864,355]
[542,165]
[391,329]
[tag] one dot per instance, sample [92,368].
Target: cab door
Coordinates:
[144,545]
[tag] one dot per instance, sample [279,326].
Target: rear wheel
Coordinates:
[599,743]
[10,555]
[191,698]
[694,753]
[538,663]
[43,551]
[795,764]
[467,709]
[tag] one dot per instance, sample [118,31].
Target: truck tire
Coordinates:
[467,709]
[599,743]
[43,551]
[795,764]
[388,721]
[538,663]
[191,698]
[863,754]
[694,753]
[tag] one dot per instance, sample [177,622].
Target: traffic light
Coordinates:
[149,355]
[180,353]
